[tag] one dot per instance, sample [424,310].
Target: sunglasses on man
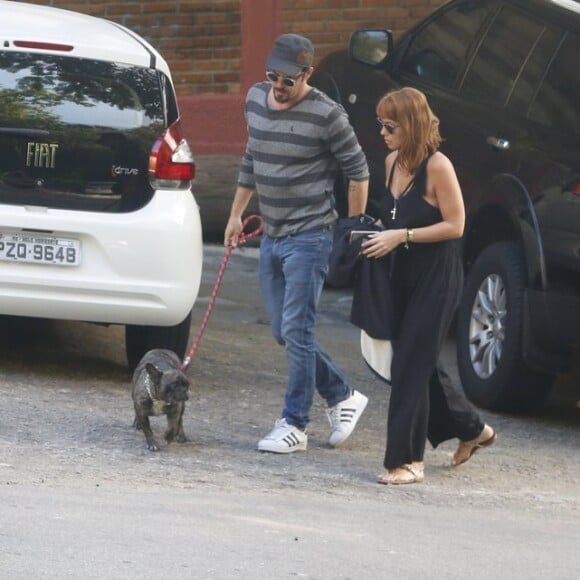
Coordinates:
[390,128]
[289,82]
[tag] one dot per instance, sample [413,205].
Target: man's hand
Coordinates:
[233,232]
[234,228]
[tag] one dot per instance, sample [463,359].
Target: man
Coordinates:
[298,139]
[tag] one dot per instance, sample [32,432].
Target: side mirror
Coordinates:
[371,47]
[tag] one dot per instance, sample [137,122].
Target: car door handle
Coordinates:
[498,143]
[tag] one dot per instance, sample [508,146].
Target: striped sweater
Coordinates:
[293,157]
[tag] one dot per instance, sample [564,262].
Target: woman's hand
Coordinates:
[381,243]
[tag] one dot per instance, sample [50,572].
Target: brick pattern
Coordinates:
[201,38]
[329,23]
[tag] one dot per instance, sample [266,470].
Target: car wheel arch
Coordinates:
[506,212]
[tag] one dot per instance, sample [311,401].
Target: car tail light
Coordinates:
[171,164]
[43,45]
[575,187]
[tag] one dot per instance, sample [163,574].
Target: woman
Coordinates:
[424,216]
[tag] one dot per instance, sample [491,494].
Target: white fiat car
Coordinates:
[97,218]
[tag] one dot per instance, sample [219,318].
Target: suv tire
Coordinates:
[141,339]
[489,334]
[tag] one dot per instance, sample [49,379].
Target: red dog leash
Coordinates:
[241,240]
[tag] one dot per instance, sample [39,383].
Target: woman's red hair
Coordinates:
[409,108]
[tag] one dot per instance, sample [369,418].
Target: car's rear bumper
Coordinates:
[142,267]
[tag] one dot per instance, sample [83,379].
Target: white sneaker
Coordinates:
[344,416]
[284,438]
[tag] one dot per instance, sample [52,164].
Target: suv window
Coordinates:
[76,133]
[438,51]
[534,70]
[558,101]
[501,56]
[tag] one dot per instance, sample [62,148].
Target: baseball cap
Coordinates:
[291,54]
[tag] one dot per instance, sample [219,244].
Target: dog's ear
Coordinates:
[154,373]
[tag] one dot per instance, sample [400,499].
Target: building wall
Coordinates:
[217,48]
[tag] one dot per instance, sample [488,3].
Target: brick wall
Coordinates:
[328,23]
[201,39]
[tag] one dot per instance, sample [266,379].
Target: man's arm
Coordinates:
[346,149]
[358,192]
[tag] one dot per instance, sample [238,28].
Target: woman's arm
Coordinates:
[444,192]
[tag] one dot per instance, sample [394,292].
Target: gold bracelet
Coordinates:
[410,234]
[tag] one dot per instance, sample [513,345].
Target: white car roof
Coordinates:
[90,37]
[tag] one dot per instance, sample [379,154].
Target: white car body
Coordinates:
[139,267]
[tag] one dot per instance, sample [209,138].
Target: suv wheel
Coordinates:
[140,339]
[489,334]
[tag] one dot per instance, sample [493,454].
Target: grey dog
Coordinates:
[160,388]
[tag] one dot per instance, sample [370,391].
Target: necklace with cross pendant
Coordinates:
[396,181]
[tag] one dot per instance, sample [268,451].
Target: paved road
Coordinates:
[200,534]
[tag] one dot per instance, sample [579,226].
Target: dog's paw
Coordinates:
[171,435]
[152,445]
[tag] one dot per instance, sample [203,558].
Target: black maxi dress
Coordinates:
[427,280]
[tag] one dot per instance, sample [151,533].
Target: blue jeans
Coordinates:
[292,273]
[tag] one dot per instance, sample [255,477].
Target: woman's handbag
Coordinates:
[344,258]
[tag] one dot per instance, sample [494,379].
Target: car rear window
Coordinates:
[76,133]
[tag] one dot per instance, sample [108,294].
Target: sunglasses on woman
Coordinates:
[273,77]
[390,128]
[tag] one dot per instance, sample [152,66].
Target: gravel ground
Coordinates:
[67,415]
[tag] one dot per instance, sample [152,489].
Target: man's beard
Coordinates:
[281,96]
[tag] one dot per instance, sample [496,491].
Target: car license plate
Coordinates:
[38,249]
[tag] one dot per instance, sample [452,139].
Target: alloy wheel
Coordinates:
[487,326]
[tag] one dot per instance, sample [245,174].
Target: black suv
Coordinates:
[503,76]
